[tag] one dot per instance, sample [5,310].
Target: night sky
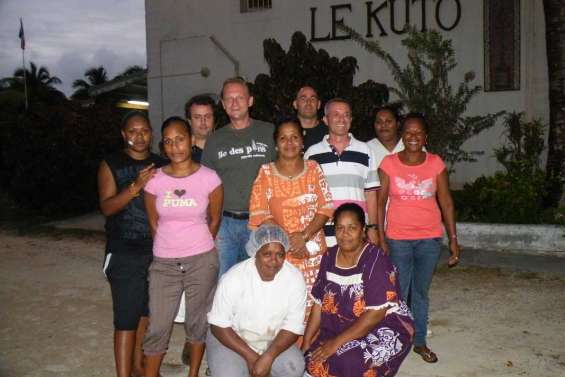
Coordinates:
[70,36]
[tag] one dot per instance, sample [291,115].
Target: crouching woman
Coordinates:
[258,312]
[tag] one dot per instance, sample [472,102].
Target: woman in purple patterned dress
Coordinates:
[364,328]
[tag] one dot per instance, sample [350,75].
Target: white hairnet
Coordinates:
[265,234]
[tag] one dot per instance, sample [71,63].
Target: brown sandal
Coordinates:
[427,355]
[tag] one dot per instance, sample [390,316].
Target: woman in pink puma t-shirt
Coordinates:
[184,204]
[413,182]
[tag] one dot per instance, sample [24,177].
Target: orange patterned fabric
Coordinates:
[391,296]
[359,306]
[293,203]
[319,369]
[328,304]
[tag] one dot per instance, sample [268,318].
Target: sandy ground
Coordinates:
[56,320]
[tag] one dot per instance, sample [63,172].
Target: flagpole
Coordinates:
[21,35]
[25,77]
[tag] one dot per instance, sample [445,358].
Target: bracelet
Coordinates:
[370,226]
[132,190]
[454,236]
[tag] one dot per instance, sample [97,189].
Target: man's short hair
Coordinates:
[306,86]
[235,80]
[335,100]
[202,100]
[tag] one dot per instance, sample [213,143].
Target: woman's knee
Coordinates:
[157,338]
[289,364]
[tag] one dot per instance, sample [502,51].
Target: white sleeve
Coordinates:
[294,321]
[373,176]
[221,314]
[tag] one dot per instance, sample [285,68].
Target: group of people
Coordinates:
[295,247]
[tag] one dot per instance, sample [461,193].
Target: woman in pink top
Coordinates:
[414,182]
[184,204]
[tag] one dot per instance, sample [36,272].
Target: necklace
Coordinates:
[286,174]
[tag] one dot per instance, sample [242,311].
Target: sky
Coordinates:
[70,36]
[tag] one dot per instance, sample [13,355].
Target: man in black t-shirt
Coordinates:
[307,103]
[199,112]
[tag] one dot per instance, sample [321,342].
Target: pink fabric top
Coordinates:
[413,211]
[182,205]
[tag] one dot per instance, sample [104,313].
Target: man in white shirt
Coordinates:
[258,312]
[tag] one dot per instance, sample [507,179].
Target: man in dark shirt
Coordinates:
[307,103]
[199,111]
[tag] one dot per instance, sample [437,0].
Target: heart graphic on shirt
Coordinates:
[179,193]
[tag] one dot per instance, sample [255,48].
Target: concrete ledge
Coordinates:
[514,237]
[495,237]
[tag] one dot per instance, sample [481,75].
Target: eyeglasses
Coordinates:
[177,140]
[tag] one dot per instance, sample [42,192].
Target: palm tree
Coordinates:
[132,69]
[37,78]
[94,76]
[40,84]
[555,42]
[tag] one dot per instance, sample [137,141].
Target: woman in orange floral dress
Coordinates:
[358,325]
[294,194]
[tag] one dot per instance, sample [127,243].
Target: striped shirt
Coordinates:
[349,174]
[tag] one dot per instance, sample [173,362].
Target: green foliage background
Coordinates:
[516,194]
[423,86]
[50,155]
[303,64]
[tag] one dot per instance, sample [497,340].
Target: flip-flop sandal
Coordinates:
[427,355]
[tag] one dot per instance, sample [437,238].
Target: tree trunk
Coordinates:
[555,39]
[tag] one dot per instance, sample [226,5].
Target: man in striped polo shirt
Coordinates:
[349,166]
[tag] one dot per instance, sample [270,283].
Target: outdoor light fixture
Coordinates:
[133,104]
[139,103]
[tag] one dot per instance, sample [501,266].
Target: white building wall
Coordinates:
[179,45]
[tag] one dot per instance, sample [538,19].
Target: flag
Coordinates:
[22,36]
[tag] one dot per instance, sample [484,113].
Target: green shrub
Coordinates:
[50,155]
[515,195]
[502,198]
